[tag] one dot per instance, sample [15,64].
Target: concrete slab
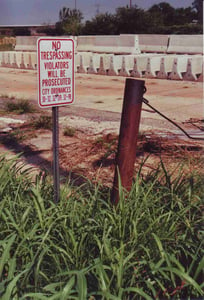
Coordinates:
[153,43]
[185,44]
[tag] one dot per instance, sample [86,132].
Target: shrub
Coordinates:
[44,122]
[69,131]
[19,107]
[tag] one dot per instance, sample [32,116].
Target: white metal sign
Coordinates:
[55,71]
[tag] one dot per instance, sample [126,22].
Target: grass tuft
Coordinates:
[42,122]
[148,247]
[69,131]
[19,107]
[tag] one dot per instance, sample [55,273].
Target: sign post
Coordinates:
[55,58]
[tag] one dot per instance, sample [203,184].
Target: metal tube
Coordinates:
[55,143]
[129,128]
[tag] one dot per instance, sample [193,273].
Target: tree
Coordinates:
[164,13]
[131,20]
[101,24]
[21,31]
[69,21]
[198,6]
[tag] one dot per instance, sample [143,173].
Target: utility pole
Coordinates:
[130,3]
[75,6]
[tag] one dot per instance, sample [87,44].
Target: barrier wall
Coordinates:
[175,67]
[116,44]
[29,43]
[153,43]
[126,43]
[186,44]
[194,68]
[26,43]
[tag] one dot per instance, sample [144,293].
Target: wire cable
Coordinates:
[174,123]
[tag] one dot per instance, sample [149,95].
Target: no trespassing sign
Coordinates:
[55,71]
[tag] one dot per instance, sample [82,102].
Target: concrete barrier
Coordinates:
[194,68]
[153,43]
[153,66]
[29,43]
[175,67]
[185,44]
[115,65]
[77,62]
[85,43]
[129,44]
[94,64]
[26,43]
[179,68]
[6,59]
[139,66]
[116,44]
[127,65]
[166,65]
[104,64]
[200,78]
[84,61]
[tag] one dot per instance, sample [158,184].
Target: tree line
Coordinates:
[161,18]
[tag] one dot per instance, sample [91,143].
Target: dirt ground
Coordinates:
[95,117]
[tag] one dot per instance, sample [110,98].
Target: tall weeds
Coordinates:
[148,247]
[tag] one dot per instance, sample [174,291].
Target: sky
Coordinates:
[37,12]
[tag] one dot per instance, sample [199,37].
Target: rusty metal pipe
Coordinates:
[129,128]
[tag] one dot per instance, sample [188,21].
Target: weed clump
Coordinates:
[69,131]
[19,107]
[42,122]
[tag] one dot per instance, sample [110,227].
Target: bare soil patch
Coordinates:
[95,116]
[91,154]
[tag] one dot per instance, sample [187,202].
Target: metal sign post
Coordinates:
[55,145]
[55,58]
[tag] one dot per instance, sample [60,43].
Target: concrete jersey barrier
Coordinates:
[26,43]
[116,44]
[29,43]
[175,67]
[153,42]
[185,44]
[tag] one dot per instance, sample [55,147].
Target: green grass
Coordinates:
[148,247]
